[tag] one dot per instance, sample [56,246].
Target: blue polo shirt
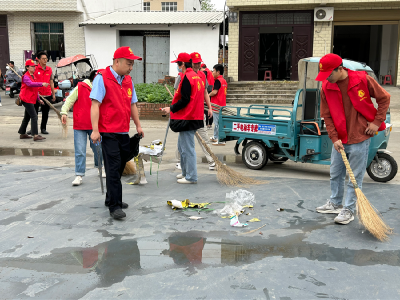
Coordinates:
[99,91]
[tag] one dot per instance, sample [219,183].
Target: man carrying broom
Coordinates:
[113,105]
[187,115]
[351,119]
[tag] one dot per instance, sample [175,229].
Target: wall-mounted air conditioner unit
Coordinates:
[323,14]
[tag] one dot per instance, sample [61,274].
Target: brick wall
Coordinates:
[39,5]
[322,38]
[151,111]
[19,32]
[233,51]
[220,59]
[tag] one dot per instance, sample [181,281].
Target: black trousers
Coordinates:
[115,153]
[29,115]
[45,111]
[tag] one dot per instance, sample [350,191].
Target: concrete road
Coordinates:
[59,242]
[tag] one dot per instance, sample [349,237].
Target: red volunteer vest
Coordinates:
[210,77]
[115,110]
[359,96]
[82,120]
[195,109]
[44,76]
[220,97]
[28,94]
[202,76]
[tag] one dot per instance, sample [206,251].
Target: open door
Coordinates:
[249,48]
[302,47]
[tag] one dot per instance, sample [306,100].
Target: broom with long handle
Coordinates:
[64,126]
[368,215]
[226,175]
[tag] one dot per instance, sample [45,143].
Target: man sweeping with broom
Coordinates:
[351,120]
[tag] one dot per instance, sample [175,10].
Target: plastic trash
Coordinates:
[236,223]
[235,203]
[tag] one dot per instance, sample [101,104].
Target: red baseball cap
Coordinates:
[196,57]
[125,52]
[30,62]
[327,64]
[183,57]
[203,66]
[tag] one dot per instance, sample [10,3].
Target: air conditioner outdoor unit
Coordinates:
[323,14]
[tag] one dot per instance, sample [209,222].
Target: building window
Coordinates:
[146,6]
[169,6]
[49,37]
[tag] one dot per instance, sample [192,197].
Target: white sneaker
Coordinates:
[103,173]
[178,166]
[78,181]
[180,176]
[211,166]
[1,105]
[183,180]
[219,144]
[213,139]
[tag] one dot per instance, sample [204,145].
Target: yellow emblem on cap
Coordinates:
[130,50]
[129,92]
[198,86]
[32,61]
[320,67]
[196,55]
[361,93]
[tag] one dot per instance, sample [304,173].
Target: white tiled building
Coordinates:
[53,25]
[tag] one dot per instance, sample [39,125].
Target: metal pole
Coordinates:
[223,48]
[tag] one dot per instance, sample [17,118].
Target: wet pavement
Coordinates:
[59,242]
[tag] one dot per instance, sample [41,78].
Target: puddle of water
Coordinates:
[8,221]
[124,256]
[37,152]
[47,205]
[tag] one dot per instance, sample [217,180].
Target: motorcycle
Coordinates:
[13,83]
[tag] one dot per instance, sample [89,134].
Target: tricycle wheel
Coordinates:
[254,155]
[277,159]
[383,171]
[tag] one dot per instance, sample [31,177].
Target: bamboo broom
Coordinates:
[368,215]
[225,175]
[64,126]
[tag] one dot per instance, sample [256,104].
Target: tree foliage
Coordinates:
[207,5]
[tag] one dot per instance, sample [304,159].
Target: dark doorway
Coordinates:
[275,52]
[4,47]
[375,45]
[273,41]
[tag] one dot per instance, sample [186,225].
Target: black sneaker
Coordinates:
[118,214]
[29,132]
[124,205]
[44,131]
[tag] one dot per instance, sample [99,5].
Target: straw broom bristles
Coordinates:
[368,215]
[130,169]
[226,175]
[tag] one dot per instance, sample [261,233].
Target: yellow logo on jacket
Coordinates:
[226,91]
[361,94]
[130,93]
[198,86]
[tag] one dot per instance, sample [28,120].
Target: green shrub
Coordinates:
[153,93]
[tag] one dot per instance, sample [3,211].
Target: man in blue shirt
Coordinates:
[113,104]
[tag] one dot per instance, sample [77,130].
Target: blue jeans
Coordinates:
[357,154]
[80,142]
[188,154]
[216,125]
